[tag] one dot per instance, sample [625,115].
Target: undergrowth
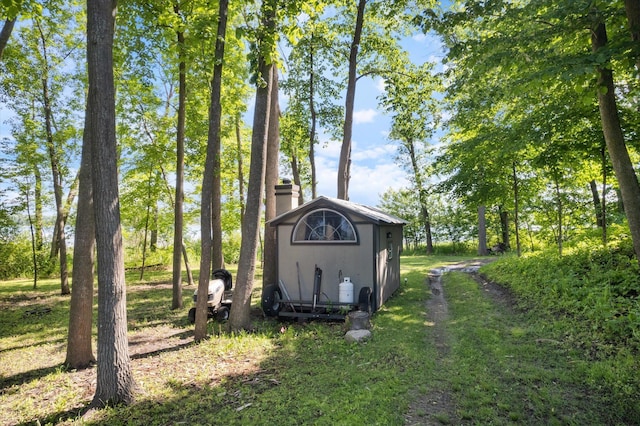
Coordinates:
[589,299]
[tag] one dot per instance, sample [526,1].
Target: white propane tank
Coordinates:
[345,291]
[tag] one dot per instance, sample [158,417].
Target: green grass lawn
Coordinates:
[497,369]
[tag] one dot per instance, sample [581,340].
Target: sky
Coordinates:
[373,168]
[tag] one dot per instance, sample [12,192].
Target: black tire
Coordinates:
[271,300]
[364,300]
[223,314]
[192,315]
[225,276]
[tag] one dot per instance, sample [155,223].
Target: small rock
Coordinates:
[357,336]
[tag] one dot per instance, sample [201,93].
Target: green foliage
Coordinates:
[594,288]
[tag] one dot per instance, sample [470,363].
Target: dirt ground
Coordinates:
[432,409]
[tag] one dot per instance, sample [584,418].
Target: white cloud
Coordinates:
[419,37]
[373,171]
[381,153]
[364,116]
[381,85]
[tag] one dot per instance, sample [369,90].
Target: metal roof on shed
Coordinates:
[371,214]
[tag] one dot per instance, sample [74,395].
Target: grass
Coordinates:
[505,370]
[502,366]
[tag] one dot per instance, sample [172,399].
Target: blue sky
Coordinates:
[373,168]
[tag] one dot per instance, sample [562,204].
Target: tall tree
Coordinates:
[59,239]
[344,164]
[614,137]
[178,221]
[210,183]
[115,383]
[409,96]
[239,318]
[215,138]
[269,270]
[79,338]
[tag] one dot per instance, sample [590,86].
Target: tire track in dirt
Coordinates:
[438,404]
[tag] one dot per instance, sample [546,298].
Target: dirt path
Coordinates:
[438,404]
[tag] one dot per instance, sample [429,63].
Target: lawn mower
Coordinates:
[218,298]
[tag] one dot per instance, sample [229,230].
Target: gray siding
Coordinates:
[354,261]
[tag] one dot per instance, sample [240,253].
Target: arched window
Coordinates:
[324,225]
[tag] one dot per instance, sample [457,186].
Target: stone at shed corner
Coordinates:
[357,336]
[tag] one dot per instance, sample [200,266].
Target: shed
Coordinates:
[324,241]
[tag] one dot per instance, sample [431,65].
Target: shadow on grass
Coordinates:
[27,376]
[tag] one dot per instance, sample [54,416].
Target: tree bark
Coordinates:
[614,138]
[79,342]
[516,209]
[115,382]
[178,208]
[504,226]
[597,205]
[215,118]
[71,195]
[312,132]
[482,231]
[632,10]
[240,170]
[211,181]
[240,318]
[269,271]
[344,165]
[559,214]
[295,171]
[5,34]
[37,195]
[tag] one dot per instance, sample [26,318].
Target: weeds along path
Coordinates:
[498,365]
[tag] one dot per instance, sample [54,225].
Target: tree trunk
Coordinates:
[295,171]
[240,313]
[344,165]
[115,382]
[240,170]
[5,34]
[211,169]
[482,231]
[597,205]
[178,208]
[504,226]
[422,195]
[516,209]
[559,214]
[240,318]
[71,195]
[153,239]
[59,240]
[34,258]
[632,9]
[614,138]
[269,271]
[215,118]
[37,194]
[312,132]
[79,349]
